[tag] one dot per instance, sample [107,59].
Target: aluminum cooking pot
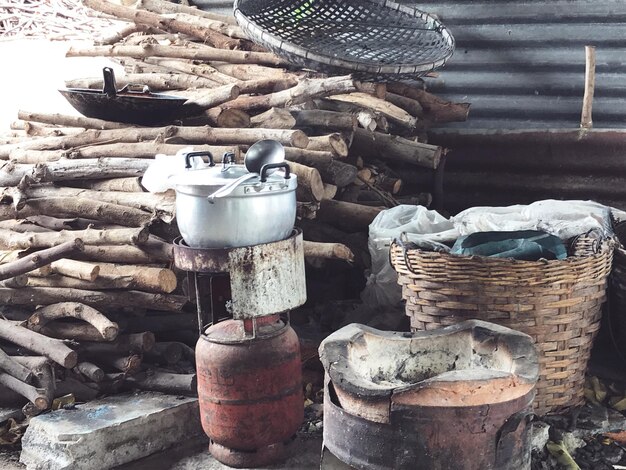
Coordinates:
[260,208]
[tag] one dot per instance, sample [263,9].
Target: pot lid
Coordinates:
[212,176]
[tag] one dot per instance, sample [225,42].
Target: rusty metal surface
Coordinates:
[503,168]
[488,437]
[264,279]
[250,392]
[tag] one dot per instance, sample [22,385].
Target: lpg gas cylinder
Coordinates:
[250,389]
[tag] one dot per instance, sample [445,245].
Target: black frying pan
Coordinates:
[134,107]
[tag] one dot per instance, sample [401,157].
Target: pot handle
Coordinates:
[271,166]
[110,87]
[190,155]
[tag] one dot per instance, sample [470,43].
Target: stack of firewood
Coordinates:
[86,273]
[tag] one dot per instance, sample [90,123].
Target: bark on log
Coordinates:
[338,173]
[164,7]
[435,108]
[334,143]
[165,24]
[120,34]
[37,130]
[328,251]
[126,185]
[388,183]
[151,252]
[411,106]
[245,72]
[305,90]
[275,118]
[223,28]
[80,391]
[212,97]
[366,118]
[67,207]
[100,168]
[162,204]
[347,216]
[96,299]
[389,110]
[124,345]
[310,186]
[15,369]
[199,69]
[330,191]
[43,375]
[166,352]
[312,158]
[156,381]
[127,364]
[72,331]
[70,121]
[267,85]
[160,82]
[14,240]
[149,279]
[76,269]
[16,282]
[36,396]
[227,118]
[91,371]
[44,315]
[205,54]
[394,148]
[328,120]
[33,261]
[53,349]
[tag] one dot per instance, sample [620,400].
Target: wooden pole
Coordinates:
[41,258]
[586,121]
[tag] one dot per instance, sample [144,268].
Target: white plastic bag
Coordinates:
[417,222]
[156,177]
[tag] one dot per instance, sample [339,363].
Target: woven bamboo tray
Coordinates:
[372,39]
[558,303]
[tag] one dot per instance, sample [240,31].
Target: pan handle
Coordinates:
[110,87]
[190,155]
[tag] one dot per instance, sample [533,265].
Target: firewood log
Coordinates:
[81,391]
[310,186]
[37,130]
[328,251]
[163,7]
[165,352]
[41,258]
[200,70]
[411,106]
[244,72]
[330,191]
[15,369]
[338,173]
[228,118]
[124,344]
[16,282]
[36,396]
[120,34]
[327,120]
[14,240]
[156,381]
[161,22]
[366,118]
[275,118]
[334,143]
[394,148]
[44,315]
[161,323]
[70,121]
[163,82]
[206,54]
[435,108]
[91,371]
[388,183]
[53,349]
[43,375]
[126,185]
[72,331]
[389,110]
[312,158]
[306,89]
[347,216]
[98,299]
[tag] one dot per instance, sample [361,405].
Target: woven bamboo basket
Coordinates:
[558,303]
[617,305]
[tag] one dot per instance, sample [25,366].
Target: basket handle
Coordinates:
[401,242]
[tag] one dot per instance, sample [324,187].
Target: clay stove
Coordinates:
[248,366]
[457,398]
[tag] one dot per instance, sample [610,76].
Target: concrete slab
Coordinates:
[109,432]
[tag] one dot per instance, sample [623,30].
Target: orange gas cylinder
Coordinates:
[250,389]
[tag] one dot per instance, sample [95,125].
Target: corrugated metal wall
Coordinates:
[521,63]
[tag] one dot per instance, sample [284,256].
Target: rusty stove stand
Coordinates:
[249,370]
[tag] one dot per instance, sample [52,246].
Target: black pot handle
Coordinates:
[228,158]
[271,166]
[110,87]
[190,155]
